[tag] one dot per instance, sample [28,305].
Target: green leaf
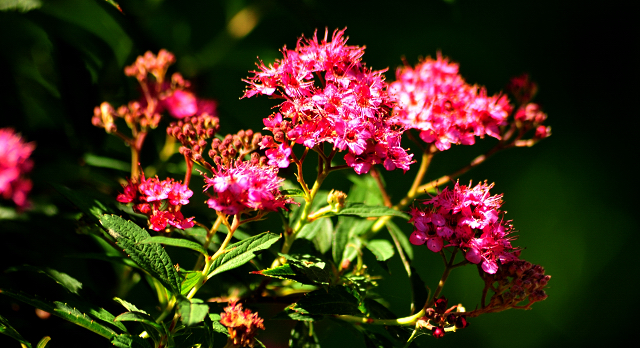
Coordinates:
[345,232]
[242,252]
[314,269]
[402,238]
[20,5]
[192,311]
[302,336]
[190,280]
[281,272]
[106,162]
[293,192]
[142,318]
[381,248]
[7,329]
[182,243]
[129,341]
[150,257]
[63,311]
[43,342]
[336,300]
[68,282]
[323,238]
[365,189]
[365,211]
[129,306]
[216,326]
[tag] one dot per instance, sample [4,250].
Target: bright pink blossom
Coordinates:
[159,200]
[434,99]
[468,218]
[245,185]
[350,109]
[15,164]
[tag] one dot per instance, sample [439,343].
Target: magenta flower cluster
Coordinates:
[434,99]
[160,201]
[245,185]
[349,107]
[467,218]
[14,167]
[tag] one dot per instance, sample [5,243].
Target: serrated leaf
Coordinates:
[281,272]
[68,282]
[365,211]
[314,269]
[336,300]
[401,237]
[242,252]
[302,336]
[129,306]
[7,329]
[192,311]
[381,248]
[181,243]
[63,311]
[150,257]
[142,318]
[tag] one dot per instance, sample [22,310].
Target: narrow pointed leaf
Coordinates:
[140,318]
[7,329]
[62,310]
[181,243]
[129,306]
[280,272]
[68,282]
[242,252]
[365,211]
[191,278]
[150,257]
[381,248]
[43,342]
[293,192]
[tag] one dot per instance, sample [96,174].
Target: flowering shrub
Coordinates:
[329,102]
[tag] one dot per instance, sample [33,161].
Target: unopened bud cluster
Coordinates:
[236,146]
[516,282]
[193,133]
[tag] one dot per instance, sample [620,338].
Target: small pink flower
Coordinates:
[15,164]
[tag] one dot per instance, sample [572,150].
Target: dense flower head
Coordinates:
[468,218]
[159,200]
[242,324]
[434,99]
[15,164]
[193,133]
[349,109]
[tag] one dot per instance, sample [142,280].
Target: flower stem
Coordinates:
[406,321]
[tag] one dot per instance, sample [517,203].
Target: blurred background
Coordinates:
[572,196]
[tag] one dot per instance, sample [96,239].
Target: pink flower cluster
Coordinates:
[467,218]
[160,201]
[14,166]
[245,185]
[350,109]
[433,98]
[242,324]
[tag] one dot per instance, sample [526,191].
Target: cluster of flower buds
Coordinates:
[242,324]
[516,282]
[439,317]
[193,133]
[158,95]
[350,109]
[15,164]
[529,115]
[434,99]
[241,184]
[160,201]
[469,219]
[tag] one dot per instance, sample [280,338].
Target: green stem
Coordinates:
[447,270]
[406,321]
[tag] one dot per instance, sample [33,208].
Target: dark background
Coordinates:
[572,196]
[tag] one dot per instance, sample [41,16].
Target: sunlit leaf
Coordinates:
[150,257]
[365,211]
[381,248]
[192,311]
[242,252]
[177,242]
